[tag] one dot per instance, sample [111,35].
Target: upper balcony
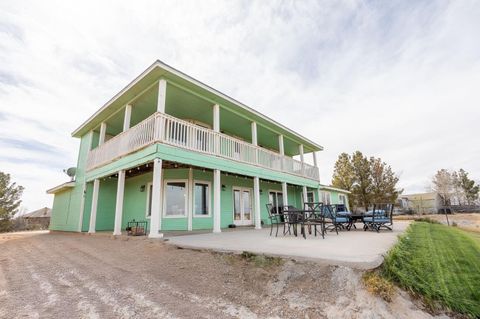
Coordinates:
[163,128]
[166,106]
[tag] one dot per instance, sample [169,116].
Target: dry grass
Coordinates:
[469,222]
[378,285]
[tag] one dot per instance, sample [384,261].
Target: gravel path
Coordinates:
[79,276]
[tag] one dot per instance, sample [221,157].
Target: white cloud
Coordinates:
[393,79]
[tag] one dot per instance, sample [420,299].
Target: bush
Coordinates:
[378,285]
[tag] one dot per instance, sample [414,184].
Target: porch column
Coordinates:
[314,154]
[256,198]
[128,116]
[190,201]
[216,201]
[304,191]
[117,230]
[162,94]
[284,193]
[103,132]
[300,150]
[216,126]
[155,218]
[93,211]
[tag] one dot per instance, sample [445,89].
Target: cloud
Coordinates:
[397,80]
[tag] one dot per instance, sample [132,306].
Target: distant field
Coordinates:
[470,222]
[441,264]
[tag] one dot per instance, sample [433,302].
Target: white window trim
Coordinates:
[165,182]
[345,199]
[329,195]
[149,195]
[252,212]
[209,198]
[276,194]
[311,192]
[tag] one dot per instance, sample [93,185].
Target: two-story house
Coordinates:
[172,150]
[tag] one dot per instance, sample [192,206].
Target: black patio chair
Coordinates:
[314,218]
[380,217]
[331,220]
[293,218]
[276,218]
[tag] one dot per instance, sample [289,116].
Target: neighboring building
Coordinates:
[178,153]
[421,203]
[39,218]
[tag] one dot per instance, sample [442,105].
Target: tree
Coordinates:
[362,186]
[343,175]
[468,187]
[443,185]
[384,182]
[10,194]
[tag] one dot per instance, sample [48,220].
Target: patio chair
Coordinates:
[294,217]
[332,220]
[342,216]
[276,218]
[380,217]
[314,218]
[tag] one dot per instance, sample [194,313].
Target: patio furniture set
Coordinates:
[318,218]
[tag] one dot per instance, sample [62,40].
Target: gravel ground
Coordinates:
[63,275]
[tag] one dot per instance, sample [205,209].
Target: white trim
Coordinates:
[165,182]
[322,187]
[149,195]
[242,222]
[326,194]
[209,184]
[61,187]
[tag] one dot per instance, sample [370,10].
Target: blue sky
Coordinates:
[394,79]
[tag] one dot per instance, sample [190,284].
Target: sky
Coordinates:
[398,80]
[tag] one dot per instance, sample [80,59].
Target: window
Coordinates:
[326,198]
[201,199]
[342,199]
[175,198]
[275,198]
[310,197]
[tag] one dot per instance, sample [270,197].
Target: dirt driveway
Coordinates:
[79,276]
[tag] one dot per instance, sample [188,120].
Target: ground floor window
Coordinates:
[310,197]
[175,198]
[342,199]
[201,199]
[326,200]
[276,199]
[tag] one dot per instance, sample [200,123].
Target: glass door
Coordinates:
[242,206]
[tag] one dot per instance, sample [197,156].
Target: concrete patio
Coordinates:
[356,248]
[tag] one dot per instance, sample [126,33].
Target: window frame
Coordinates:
[313,195]
[209,184]
[164,196]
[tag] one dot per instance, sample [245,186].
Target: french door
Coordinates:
[242,206]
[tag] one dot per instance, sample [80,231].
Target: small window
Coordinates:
[342,199]
[326,198]
[202,199]
[310,197]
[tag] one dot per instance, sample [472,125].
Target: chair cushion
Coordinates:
[378,212]
[380,220]
[344,213]
[342,220]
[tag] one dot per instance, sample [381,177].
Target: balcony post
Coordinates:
[285,193]
[93,211]
[117,230]
[103,132]
[156,216]
[281,150]
[256,198]
[128,116]
[216,201]
[162,94]
[314,154]
[300,150]
[254,139]
[216,127]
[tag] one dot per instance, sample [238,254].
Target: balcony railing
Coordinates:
[163,128]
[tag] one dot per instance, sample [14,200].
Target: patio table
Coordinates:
[304,217]
[354,218]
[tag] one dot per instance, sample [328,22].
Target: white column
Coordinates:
[304,192]
[281,147]
[254,138]
[216,118]
[302,159]
[128,116]
[93,211]
[216,201]
[162,94]
[285,193]
[117,229]
[103,132]
[156,216]
[256,198]
[314,154]
[190,199]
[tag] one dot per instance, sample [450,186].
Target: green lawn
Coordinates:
[440,263]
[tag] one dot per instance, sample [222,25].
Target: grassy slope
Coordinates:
[441,263]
